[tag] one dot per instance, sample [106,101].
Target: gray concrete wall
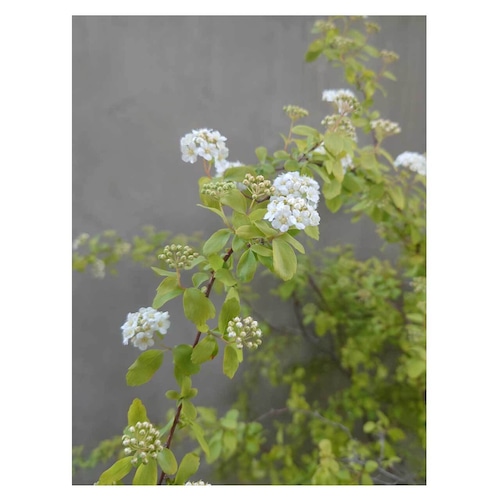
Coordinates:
[140,84]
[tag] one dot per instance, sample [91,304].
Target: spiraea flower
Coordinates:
[205,143]
[244,332]
[294,202]
[142,441]
[143,326]
[80,240]
[414,161]
[197,483]
[98,269]
[344,99]
[178,256]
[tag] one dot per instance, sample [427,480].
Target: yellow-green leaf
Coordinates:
[167,462]
[284,259]
[146,474]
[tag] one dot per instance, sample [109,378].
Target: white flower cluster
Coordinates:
[141,326]
[207,143]
[294,203]
[142,440]
[80,240]
[98,269]
[344,99]
[245,332]
[413,161]
[197,483]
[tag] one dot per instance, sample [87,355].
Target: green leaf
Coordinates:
[144,367]
[262,250]
[199,278]
[332,189]
[389,75]
[334,143]
[203,350]
[284,259]
[247,265]
[230,309]
[281,155]
[225,276]
[188,466]
[371,466]
[366,479]
[415,367]
[235,200]
[305,130]
[215,446]
[200,437]
[116,472]
[257,214]
[397,196]
[265,228]
[216,261]
[146,474]
[183,366]
[237,174]
[216,242]
[261,154]
[168,289]
[137,412]
[189,409]
[292,241]
[312,232]
[291,165]
[231,360]
[198,308]
[338,170]
[248,232]
[334,204]
[167,462]
[172,395]
[163,272]
[212,209]
[369,427]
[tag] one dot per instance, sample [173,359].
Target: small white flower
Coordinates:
[141,327]
[414,161]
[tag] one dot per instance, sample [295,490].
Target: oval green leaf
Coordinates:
[144,367]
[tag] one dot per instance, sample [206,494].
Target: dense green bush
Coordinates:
[352,368]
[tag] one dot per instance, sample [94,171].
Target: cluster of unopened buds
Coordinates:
[344,99]
[295,112]
[384,128]
[178,256]
[340,124]
[244,332]
[218,188]
[142,440]
[388,56]
[258,186]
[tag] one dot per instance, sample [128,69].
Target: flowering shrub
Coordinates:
[361,324]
